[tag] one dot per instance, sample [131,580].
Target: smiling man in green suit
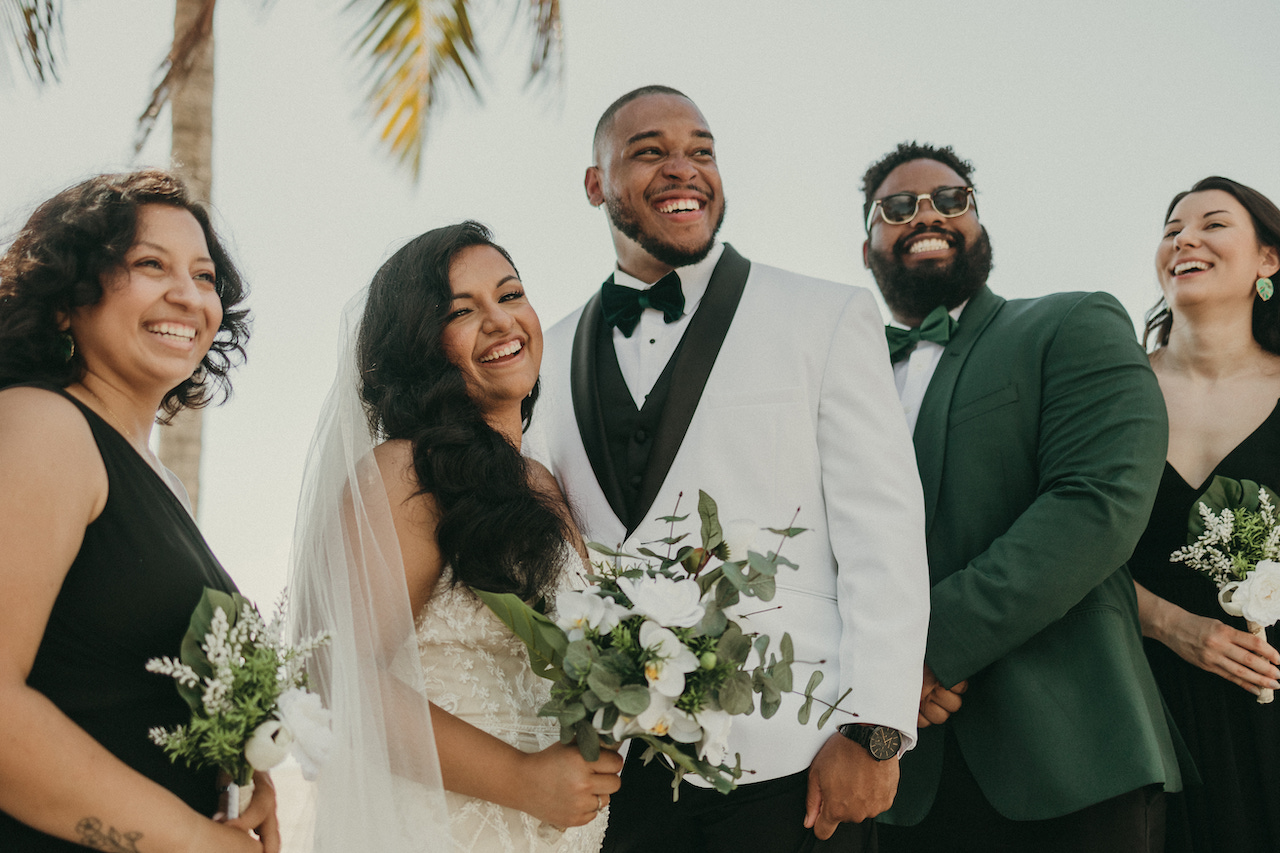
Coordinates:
[1040,434]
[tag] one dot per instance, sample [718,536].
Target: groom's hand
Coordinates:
[847,785]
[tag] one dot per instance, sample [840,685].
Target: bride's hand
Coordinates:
[564,789]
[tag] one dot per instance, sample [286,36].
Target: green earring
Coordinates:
[1265,288]
[68,345]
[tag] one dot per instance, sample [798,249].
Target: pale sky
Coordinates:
[1082,120]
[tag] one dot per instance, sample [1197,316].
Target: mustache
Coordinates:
[702,191]
[955,238]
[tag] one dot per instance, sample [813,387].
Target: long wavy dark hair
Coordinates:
[1266,224]
[495,531]
[57,263]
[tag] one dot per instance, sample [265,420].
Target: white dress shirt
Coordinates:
[913,374]
[643,356]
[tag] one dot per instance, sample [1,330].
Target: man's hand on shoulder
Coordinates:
[847,785]
[938,703]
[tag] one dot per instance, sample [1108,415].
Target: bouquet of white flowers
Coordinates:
[649,652]
[1234,540]
[247,690]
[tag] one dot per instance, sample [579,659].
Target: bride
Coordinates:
[416,493]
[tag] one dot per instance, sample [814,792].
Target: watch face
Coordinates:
[884,743]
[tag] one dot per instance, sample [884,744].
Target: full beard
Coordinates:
[625,220]
[914,292]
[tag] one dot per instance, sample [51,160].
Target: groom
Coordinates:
[694,368]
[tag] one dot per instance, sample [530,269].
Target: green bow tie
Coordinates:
[938,327]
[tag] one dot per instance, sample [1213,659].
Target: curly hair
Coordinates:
[57,263]
[1266,225]
[905,153]
[495,531]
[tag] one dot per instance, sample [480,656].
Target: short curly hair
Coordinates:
[905,153]
[57,263]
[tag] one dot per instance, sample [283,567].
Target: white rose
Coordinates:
[669,602]
[307,720]
[672,659]
[1258,595]
[268,745]
[714,746]
[664,719]
[740,535]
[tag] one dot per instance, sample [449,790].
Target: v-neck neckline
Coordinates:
[1275,411]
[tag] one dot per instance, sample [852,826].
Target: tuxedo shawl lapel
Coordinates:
[585,389]
[695,358]
[931,426]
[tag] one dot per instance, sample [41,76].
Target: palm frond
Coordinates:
[410,46]
[546,62]
[36,29]
[175,69]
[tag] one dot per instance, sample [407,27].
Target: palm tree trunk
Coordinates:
[192,159]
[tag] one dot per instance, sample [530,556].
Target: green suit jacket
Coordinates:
[1040,443]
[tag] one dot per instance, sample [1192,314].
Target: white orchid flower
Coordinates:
[664,719]
[714,745]
[671,659]
[670,602]
[577,611]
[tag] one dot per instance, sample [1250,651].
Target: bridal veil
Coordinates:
[381,788]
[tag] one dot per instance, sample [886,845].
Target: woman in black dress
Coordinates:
[1216,352]
[117,303]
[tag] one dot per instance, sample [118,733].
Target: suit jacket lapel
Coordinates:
[585,389]
[697,355]
[931,426]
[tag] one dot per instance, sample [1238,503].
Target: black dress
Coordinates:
[127,597]
[1234,740]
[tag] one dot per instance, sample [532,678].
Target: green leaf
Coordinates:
[672,519]
[544,639]
[588,740]
[606,550]
[713,622]
[762,645]
[577,660]
[712,533]
[604,683]
[802,715]
[781,672]
[632,699]
[762,564]
[788,532]
[787,649]
[764,588]
[1225,493]
[814,680]
[733,573]
[733,644]
[735,694]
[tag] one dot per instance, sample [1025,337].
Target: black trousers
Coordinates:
[963,821]
[767,817]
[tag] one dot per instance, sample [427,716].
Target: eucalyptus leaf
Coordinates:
[588,740]
[577,660]
[733,644]
[713,622]
[762,564]
[735,694]
[672,519]
[787,649]
[604,683]
[632,700]
[764,588]
[787,531]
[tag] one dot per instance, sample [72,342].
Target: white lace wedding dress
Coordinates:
[477,670]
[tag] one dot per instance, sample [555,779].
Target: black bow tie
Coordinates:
[624,305]
[938,327]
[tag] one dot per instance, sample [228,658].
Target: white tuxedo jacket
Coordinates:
[798,410]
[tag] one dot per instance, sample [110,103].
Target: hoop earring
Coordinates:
[1265,289]
[68,345]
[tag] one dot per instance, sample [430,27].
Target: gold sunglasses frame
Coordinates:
[970,201]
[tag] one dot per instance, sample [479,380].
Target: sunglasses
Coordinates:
[901,208]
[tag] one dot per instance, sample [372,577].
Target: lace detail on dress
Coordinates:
[477,670]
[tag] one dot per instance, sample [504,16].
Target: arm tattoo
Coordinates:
[92,836]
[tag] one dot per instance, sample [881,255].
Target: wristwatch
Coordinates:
[881,741]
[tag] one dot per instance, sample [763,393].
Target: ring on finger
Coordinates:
[599,804]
